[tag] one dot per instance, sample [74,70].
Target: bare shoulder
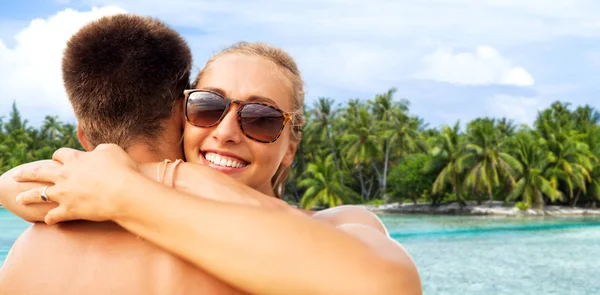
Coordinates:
[364,225]
[351,214]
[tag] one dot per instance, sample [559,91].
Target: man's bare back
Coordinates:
[98,258]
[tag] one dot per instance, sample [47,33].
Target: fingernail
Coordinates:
[17,173]
[19,199]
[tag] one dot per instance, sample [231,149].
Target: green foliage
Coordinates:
[20,143]
[523,206]
[409,180]
[322,187]
[375,202]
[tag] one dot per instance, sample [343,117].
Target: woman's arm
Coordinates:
[9,189]
[186,181]
[267,251]
[202,181]
[259,250]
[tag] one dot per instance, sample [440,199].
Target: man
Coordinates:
[125,77]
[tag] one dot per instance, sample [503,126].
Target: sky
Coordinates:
[452,59]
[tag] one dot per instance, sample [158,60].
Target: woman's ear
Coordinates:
[82,140]
[288,158]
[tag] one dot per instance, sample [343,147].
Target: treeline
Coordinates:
[376,151]
[20,143]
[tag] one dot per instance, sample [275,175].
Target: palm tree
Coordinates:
[585,118]
[51,127]
[403,138]
[593,188]
[531,184]
[448,162]
[14,122]
[323,116]
[506,129]
[68,136]
[592,139]
[570,160]
[388,116]
[359,141]
[489,163]
[322,187]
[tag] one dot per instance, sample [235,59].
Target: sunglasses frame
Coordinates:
[241,104]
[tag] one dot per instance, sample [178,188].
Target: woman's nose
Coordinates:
[228,130]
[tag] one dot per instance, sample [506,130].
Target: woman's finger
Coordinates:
[37,173]
[65,155]
[56,215]
[36,196]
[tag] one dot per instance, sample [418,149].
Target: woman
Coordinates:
[245,238]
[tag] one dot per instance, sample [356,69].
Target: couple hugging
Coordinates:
[214,224]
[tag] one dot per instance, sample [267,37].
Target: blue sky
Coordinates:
[453,59]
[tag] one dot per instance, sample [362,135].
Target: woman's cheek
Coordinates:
[190,145]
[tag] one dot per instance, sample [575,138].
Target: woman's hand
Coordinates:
[86,186]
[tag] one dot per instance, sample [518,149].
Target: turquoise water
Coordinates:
[478,255]
[10,228]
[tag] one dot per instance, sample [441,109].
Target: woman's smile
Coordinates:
[224,161]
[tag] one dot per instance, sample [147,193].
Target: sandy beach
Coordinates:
[472,208]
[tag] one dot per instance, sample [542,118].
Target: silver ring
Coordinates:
[44,195]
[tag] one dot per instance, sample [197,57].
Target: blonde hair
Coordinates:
[289,69]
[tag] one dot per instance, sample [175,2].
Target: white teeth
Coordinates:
[222,161]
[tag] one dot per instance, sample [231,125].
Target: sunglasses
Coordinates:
[258,121]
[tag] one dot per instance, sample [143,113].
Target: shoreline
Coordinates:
[485,209]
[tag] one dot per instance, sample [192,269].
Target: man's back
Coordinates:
[98,258]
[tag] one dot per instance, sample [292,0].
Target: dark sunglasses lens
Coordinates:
[261,122]
[204,108]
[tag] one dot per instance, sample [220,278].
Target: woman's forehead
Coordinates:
[243,76]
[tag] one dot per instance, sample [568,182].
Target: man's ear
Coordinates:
[288,158]
[82,140]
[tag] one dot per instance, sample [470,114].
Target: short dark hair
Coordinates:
[123,75]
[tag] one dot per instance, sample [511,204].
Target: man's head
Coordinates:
[125,77]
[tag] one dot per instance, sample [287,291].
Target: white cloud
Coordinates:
[501,20]
[387,36]
[483,67]
[30,71]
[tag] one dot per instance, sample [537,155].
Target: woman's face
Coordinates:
[245,78]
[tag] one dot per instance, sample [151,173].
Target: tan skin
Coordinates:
[100,258]
[258,238]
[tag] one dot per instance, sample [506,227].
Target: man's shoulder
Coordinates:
[351,214]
